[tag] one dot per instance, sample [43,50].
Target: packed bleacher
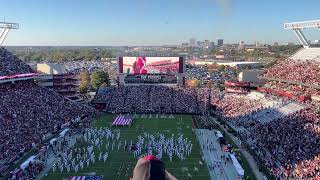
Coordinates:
[29,112]
[11,65]
[155,99]
[293,88]
[30,172]
[307,72]
[293,141]
[288,143]
[90,66]
[233,108]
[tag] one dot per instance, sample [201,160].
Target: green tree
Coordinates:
[98,78]
[85,81]
[84,87]
[85,77]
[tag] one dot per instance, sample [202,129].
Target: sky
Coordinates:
[153,22]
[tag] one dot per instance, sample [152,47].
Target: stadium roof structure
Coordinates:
[297,26]
[5,27]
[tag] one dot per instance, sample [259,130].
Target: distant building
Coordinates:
[199,43]
[275,44]
[220,42]
[54,76]
[184,45]
[51,68]
[241,45]
[192,42]
[206,44]
[211,44]
[257,44]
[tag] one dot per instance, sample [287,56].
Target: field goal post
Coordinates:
[297,29]
[5,27]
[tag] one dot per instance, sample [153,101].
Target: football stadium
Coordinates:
[266,132]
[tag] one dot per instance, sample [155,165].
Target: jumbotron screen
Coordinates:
[150,65]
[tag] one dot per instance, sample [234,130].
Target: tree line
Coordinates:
[58,55]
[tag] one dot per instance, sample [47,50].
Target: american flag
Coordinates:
[86,178]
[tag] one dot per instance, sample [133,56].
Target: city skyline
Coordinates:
[153,23]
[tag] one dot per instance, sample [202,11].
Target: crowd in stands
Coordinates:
[90,66]
[155,99]
[11,65]
[294,142]
[307,72]
[28,112]
[292,88]
[31,172]
[233,108]
[206,73]
[289,144]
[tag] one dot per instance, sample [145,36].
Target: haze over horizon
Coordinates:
[152,23]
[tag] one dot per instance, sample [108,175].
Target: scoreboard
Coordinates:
[151,70]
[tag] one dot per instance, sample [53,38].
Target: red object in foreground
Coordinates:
[151,157]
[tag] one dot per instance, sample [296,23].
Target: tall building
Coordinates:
[206,43]
[257,43]
[199,43]
[220,42]
[241,45]
[211,44]
[193,42]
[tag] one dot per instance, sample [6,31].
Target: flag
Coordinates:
[86,178]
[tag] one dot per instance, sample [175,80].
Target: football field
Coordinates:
[120,164]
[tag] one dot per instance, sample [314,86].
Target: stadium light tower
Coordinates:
[5,28]
[297,26]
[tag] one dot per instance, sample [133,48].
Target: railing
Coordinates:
[9,25]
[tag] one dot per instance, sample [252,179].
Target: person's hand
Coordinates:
[142,171]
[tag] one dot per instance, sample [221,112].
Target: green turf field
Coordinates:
[181,124]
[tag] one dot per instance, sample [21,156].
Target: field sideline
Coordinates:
[180,124]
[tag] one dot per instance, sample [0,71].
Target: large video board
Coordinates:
[150,65]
